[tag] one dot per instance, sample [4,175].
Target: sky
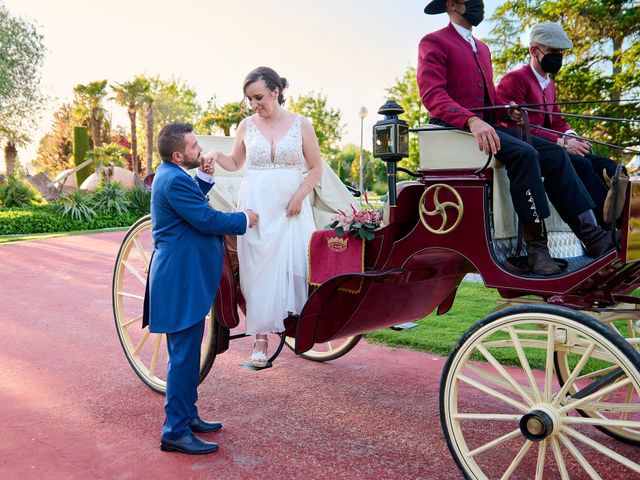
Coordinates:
[348,50]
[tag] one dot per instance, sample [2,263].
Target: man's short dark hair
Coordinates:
[171,139]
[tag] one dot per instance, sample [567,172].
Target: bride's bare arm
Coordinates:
[311,152]
[236,159]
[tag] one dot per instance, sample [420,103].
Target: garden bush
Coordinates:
[47,219]
[16,193]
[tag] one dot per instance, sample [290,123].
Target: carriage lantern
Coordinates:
[391,142]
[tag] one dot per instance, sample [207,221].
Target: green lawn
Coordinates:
[40,236]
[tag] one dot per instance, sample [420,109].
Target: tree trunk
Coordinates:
[96,127]
[134,142]
[149,138]
[10,157]
[616,58]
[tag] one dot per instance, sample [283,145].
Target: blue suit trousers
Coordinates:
[183,371]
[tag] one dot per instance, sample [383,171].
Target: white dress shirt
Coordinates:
[466,34]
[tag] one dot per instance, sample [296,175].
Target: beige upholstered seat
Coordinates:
[456,149]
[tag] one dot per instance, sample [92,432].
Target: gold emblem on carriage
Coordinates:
[337,244]
[431,205]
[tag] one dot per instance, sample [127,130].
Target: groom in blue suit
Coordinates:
[184,277]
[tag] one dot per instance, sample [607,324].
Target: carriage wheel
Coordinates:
[502,421]
[146,351]
[624,323]
[323,352]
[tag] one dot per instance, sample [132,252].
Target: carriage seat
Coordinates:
[457,150]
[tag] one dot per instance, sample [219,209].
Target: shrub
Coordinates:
[47,219]
[75,205]
[16,193]
[139,200]
[110,197]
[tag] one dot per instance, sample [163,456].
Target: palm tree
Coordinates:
[132,95]
[89,106]
[225,117]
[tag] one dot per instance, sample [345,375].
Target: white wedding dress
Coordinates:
[273,254]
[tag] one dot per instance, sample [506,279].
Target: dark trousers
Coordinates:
[527,165]
[589,169]
[183,373]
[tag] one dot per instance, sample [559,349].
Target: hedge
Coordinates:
[42,219]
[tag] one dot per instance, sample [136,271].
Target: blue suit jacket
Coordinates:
[188,249]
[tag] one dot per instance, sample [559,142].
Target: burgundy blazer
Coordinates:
[522,86]
[450,79]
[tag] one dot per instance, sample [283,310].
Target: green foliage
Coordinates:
[110,197]
[56,147]
[75,205]
[80,149]
[89,108]
[223,118]
[325,121]
[108,155]
[139,200]
[406,93]
[604,63]
[16,193]
[47,218]
[21,56]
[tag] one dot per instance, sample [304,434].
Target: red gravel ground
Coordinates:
[72,408]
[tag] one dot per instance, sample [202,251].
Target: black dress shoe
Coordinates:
[197,425]
[189,444]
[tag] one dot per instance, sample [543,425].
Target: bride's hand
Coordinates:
[295,205]
[211,157]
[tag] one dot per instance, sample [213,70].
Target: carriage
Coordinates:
[575,336]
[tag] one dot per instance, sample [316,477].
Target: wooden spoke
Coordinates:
[143,340]
[601,421]
[493,393]
[142,253]
[131,295]
[492,378]
[524,362]
[154,356]
[135,319]
[505,374]
[542,455]
[548,372]
[495,443]
[516,461]
[557,454]
[135,272]
[501,417]
[603,449]
[574,374]
[600,393]
[598,373]
[578,456]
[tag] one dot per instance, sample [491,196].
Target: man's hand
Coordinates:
[515,115]
[576,146]
[485,135]
[253,217]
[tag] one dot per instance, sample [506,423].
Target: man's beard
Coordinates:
[188,164]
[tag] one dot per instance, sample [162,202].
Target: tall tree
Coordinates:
[326,121]
[132,95]
[604,63]
[56,147]
[405,92]
[21,56]
[167,101]
[223,117]
[89,102]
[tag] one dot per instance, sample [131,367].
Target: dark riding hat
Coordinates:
[435,7]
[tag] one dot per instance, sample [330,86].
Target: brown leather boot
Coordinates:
[538,257]
[619,188]
[596,241]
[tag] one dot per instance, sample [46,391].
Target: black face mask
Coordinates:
[551,62]
[474,12]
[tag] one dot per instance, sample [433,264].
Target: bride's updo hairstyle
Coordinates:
[271,79]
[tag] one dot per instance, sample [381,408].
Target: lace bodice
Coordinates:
[288,150]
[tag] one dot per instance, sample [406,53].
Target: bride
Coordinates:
[275,144]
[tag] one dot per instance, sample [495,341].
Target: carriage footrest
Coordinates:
[404,326]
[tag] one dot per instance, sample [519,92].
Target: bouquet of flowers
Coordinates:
[361,223]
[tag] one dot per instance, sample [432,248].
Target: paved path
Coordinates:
[72,408]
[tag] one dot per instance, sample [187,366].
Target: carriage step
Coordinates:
[404,326]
